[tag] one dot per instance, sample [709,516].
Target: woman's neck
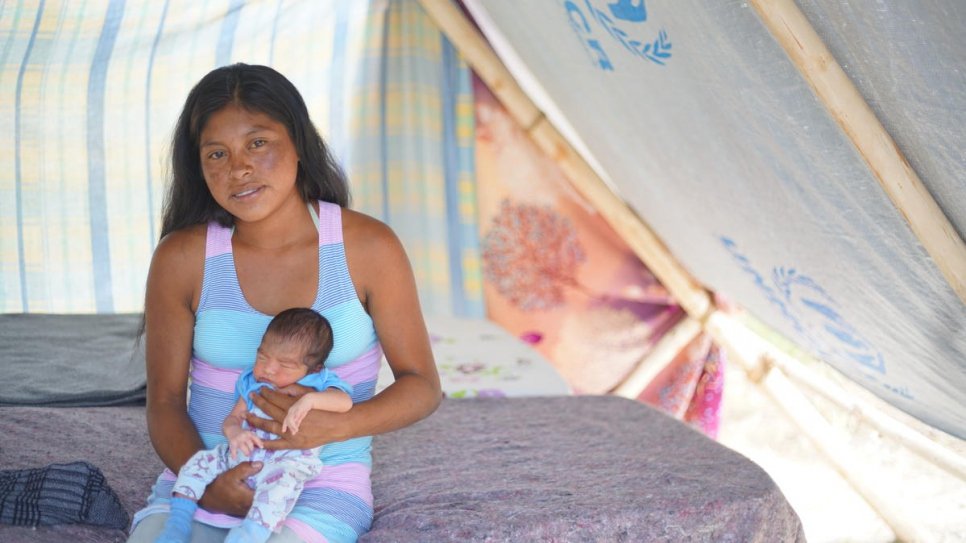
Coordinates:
[287,226]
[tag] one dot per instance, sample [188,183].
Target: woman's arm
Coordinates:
[387,289]
[174,282]
[169,330]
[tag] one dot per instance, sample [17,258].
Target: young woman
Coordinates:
[255,222]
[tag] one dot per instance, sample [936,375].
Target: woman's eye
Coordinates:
[215,155]
[258,143]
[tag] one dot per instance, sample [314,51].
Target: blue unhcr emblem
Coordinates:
[629,10]
[813,314]
[656,49]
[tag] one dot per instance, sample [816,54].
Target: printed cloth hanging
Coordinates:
[557,275]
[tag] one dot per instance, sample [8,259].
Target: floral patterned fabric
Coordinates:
[477,358]
[559,277]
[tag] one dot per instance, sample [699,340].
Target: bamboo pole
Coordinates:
[646,245]
[477,52]
[484,61]
[761,370]
[831,444]
[670,344]
[725,328]
[639,237]
[692,298]
[845,104]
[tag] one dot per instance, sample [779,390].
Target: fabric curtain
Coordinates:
[558,276]
[90,92]
[411,153]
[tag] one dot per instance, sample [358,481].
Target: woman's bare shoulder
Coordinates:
[374,253]
[178,262]
[363,233]
[182,245]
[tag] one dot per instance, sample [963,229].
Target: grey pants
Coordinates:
[148,530]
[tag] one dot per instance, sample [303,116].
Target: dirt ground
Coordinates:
[931,501]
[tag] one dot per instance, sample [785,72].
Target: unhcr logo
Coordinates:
[814,315]
[592,24]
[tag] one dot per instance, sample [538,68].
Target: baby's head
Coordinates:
[296,343]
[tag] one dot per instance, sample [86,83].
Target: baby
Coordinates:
[293,351]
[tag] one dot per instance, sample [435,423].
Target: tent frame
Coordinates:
[833,88]
[829,82]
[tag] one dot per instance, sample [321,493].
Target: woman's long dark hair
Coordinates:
[255,88]
[258,89]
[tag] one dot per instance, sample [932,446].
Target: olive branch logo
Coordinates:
[659,50]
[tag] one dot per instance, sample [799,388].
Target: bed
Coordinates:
[505,468]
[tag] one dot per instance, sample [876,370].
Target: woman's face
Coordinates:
[249,163]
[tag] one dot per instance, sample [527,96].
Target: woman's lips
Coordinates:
[247,193]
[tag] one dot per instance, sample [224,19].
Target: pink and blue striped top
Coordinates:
[337,505]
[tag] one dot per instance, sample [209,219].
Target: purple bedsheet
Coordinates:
[584,468]
[528,469]
[115,439]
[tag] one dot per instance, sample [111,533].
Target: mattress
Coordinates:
[566,468]
[510,455]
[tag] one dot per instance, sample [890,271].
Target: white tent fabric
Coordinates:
[701,122]
[909,61]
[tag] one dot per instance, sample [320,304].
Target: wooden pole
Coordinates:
[900,182]
[845,104]
[694,300]
[761,369]
[480,56]
[727,330]
[833,447]
[668,347]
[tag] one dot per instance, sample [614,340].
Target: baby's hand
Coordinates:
[245,442]
[296,414]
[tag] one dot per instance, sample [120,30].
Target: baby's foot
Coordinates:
[177,527]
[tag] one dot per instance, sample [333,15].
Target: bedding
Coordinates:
[92,360]
[579,468]
[113,439]
[568,468]
[527,463]
[70,360]
[478,358]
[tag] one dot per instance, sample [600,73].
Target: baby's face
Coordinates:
[279,362]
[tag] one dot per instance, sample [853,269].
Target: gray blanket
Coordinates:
[112,438]
[536,469]
[70,360]
[568,469]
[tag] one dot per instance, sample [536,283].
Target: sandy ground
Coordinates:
[929,500]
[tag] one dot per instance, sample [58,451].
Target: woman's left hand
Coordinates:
[314,431]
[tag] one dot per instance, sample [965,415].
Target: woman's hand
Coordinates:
[315,430]
[296,390]
[386,288]
[229,493]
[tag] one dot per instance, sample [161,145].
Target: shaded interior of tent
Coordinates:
[609,206]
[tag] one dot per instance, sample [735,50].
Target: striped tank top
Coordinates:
[337,505]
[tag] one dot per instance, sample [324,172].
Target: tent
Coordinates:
[805,160]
